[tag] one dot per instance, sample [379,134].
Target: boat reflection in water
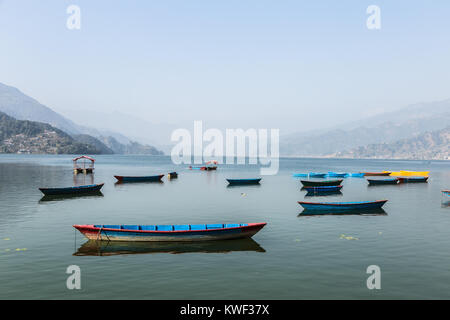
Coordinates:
[63,197]
[372,212]
[111,248]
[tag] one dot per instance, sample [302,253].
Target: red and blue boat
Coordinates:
[185,232]
[77,190]
[240,182]
[342,206]
[139,178]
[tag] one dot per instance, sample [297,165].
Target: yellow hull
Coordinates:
[403,173]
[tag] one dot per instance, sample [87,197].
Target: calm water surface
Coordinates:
[293,257]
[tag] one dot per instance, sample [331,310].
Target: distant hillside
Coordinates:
[22,136]
[131,148]
[87,139]
[433,145]
[386,128]
[16,104]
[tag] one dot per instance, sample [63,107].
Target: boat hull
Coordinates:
[139,179]
[241,182]
[317,175]
[383,174]
[342,206]
[93,232]
[94,188]
[403,173]
[310,183]
[374,182]
[337,174]
[413,179]
[323,189]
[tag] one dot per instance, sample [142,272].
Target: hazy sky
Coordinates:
[293,65]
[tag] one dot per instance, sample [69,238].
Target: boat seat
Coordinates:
[111,226]
[232,225]
[148,228]
[164,228]
[183,227]
[198,227]
[214,226]
[133,227]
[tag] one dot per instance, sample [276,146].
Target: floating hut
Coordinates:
[83,164]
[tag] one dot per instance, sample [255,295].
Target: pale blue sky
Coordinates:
[293,65]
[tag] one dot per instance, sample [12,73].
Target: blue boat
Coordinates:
[240,182]
[121,179]
[298,175]
[78,190]
[323,189]
[337,174]
[342,206]
[317,175]
[357,175]
[374,182]
[185,232]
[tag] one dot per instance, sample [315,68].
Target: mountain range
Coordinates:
[16,104]
[394,127]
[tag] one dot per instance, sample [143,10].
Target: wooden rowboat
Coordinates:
[236,182]
[139,178]
[323,189]
[384,173]
[357,175]
[373,182]
[403,173]
[342,206]
[312,183]
[412,179]
[317,175]
[199,232]
[337,174]
[92,188]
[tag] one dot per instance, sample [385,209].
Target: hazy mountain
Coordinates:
[389,127]
[22,107]
[23,136]
[433,145]
[131,148]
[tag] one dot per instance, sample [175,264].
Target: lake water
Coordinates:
[293,257]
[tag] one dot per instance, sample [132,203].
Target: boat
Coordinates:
[317,175]
[447,192]
[77,190]
[403,173]
[172,175]
[357,175]
[323,189]
[384,173]
[297,175]
[112,248]
[377,212]
[197,168]
[342,206]
[373,182]
[243,181]
[185,232]
[86,166]
[139,178]
[337,174]
[412,179]
[312,183]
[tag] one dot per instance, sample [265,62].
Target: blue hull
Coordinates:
[72,190]
[337,174]
[323,189]
[357,175]
[139,179]
[342,206]
[382,181]
[236,182]
[317,175]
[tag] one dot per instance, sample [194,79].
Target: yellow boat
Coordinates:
[403,173]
